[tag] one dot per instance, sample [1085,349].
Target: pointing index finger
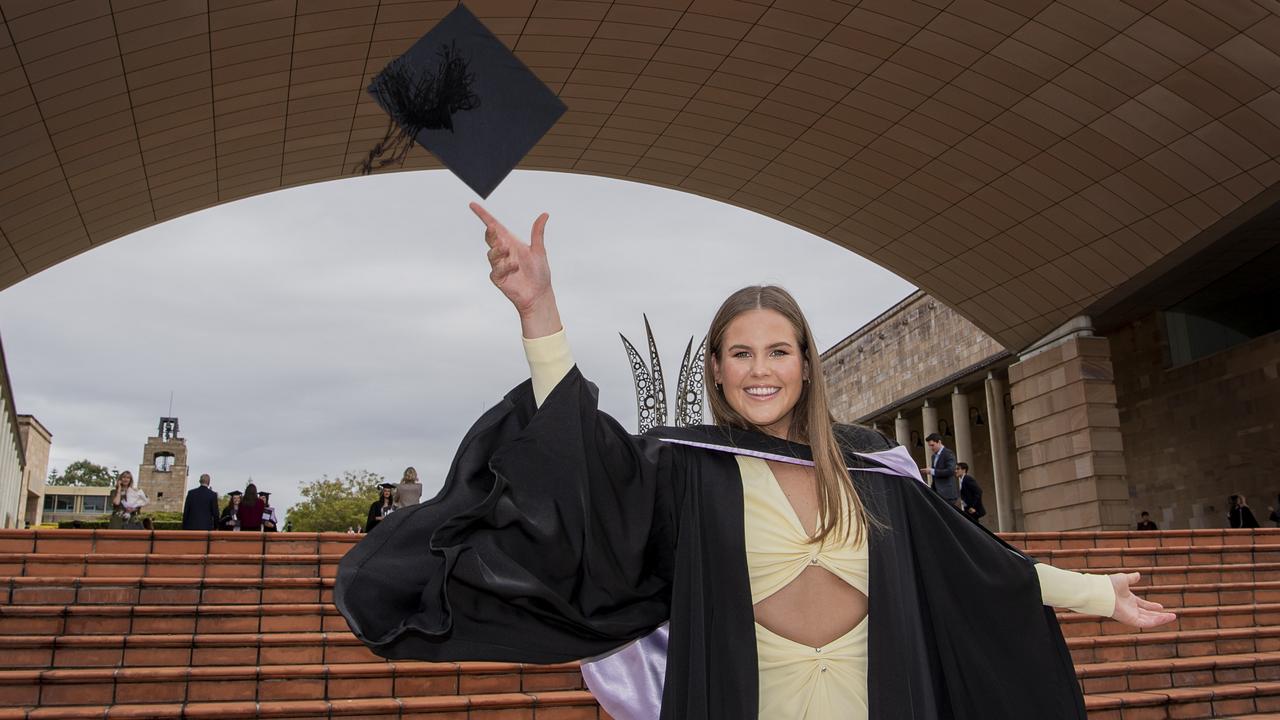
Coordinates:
[485,217]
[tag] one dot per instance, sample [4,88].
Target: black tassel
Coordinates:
[416,102]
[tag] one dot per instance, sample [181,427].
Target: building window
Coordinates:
[59,503]
[93,504]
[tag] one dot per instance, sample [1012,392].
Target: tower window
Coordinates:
[164,461]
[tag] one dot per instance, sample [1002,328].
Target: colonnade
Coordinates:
[999,478]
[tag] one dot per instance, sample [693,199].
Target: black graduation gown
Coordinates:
[227,520]
[376,515]
[559,536]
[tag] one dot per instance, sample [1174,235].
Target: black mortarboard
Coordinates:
[264,493]
[460,93]
[234,493]
[388,486]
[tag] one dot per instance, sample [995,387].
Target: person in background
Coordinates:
[409,492]
[1275,514]
[970,494]
[230,518]
[251,509]
[1146,523]
[942,471]
[200,511]
[126,501]
[1239,515]
[382,507]
[269,521]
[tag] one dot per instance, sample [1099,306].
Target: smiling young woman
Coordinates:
[774,564]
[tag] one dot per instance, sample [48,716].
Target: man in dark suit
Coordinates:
[200,512]
[942,470]
[970,494]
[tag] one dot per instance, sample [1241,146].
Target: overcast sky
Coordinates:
[351,325]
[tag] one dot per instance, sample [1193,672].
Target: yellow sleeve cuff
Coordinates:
[1083,593]
[549,361]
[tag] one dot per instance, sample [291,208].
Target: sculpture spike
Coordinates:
[646,402]
[659,384]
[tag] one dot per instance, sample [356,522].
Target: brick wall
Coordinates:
[911,346]
[1197,433]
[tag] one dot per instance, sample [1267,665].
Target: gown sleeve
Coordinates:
[552,540]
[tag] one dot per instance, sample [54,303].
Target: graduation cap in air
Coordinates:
[460,93]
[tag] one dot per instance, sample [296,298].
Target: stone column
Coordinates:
[930,414]
[960,426]
[1067,431]
[1001,475]
[902,431]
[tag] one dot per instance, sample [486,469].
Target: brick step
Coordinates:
[1182,643]
[168,619]
[551,705]
[1035,542]
[240,683]
[1206,617]
[173,542]
[163,591]
[167,565]
[188,649]
[1234,700]
[1087,559]
[1196,574]
[1158,674]
[1185,595]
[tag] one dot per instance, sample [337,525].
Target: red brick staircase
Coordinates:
[107,624]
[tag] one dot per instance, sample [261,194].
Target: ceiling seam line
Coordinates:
[133,117]
[288,93]
[355,107]
[213,104]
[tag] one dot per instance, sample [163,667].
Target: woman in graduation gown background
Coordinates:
[559,536]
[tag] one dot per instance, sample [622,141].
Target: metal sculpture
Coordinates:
[651,391]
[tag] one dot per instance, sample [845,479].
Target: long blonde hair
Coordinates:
[410,475]
[840,510]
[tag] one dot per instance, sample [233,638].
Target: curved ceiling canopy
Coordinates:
[1018,159]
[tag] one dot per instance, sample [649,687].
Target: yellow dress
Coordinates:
[798,682]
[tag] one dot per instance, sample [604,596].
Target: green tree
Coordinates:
[335,504]
[84,474]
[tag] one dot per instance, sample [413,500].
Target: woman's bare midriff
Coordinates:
[813,609]
[817,607]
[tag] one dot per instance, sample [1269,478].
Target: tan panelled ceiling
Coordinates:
[1018,159]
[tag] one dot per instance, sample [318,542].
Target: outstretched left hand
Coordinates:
[1133,610]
